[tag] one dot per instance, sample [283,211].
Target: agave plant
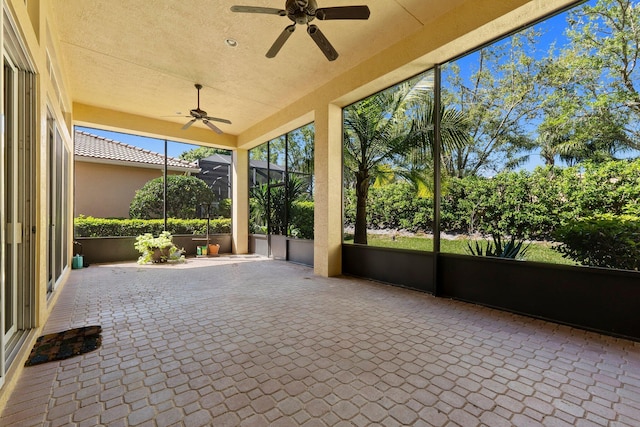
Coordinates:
[513,249]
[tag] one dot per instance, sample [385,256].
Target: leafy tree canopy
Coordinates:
[184,195]
[496,89]
[592,105]
[202,152]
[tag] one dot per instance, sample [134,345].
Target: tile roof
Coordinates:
[109,150]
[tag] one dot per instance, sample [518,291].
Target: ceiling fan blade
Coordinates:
[322,42]
[254,9]
[216,119]
[188,125]
[277,45]
[212,127]
[343,12]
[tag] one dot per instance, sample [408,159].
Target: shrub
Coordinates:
[102,227]
[349,209]
[607,240]
[392,206]
[463,204]
[605,187]
[523,204]
[302,218]
[278,202]
[224,208]
[184,195]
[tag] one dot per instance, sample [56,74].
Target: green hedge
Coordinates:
[521,204]
[302,219]
[393,206]
[524,204]
[611,241]
[100,227]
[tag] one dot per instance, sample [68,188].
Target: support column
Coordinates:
[240,205]
[327,247]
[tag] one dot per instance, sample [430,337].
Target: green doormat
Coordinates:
[63,345]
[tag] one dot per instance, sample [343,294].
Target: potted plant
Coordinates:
[213,249]
[157,249]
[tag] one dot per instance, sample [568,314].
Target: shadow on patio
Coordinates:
[250,341]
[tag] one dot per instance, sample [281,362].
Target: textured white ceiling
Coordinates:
[143,57]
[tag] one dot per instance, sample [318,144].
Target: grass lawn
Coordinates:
[538,251]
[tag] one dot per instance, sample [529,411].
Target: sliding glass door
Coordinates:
[9,163]
[17,208]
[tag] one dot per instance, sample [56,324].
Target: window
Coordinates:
[551,171]
[540,139]
[58,204]
[281,185]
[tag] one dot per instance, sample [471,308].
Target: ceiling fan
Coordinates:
[199,114]
[303,12]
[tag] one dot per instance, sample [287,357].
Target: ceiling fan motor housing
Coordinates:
[198,113]
[301,11]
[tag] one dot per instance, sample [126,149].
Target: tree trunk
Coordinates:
[362,191]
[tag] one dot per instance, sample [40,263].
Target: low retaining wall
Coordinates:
[112,249]
[412,269]
[596,299]
[282,248]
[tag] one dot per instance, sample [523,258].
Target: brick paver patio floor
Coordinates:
[253,342]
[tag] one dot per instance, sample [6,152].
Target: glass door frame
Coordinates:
[9,207]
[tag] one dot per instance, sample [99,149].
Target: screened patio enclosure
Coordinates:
[136,74]
[478,180]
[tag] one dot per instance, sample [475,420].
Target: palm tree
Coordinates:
[390,130]
[272,203]
[454,134]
